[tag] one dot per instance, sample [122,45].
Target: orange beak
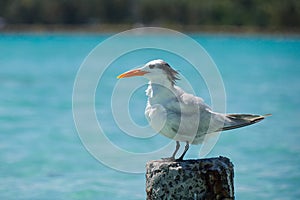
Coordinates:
[134,72]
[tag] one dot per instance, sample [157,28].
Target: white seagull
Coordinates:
[178,115]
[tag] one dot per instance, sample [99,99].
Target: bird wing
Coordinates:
[196,116]
[210,121]
[189,103]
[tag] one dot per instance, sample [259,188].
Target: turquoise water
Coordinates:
[42,157]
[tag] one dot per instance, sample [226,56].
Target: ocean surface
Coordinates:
[42,156]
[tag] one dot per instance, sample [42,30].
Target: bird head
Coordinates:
[157,71]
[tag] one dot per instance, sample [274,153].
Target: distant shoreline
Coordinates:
[115,28]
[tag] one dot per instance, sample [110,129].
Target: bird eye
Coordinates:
[151,66]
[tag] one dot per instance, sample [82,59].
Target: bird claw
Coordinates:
[170,159]
[179,159]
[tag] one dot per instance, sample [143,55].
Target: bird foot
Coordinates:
[179,159]
[170,159]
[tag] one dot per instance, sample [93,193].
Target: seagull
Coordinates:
[178,115]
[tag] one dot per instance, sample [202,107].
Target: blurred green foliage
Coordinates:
[260,13]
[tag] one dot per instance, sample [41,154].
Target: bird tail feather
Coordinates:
[241,120]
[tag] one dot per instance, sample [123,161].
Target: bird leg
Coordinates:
[172,158]
[186,148]
[176,149]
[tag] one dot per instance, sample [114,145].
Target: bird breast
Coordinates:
[156,116]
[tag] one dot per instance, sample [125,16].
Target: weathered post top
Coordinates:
[210,178]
